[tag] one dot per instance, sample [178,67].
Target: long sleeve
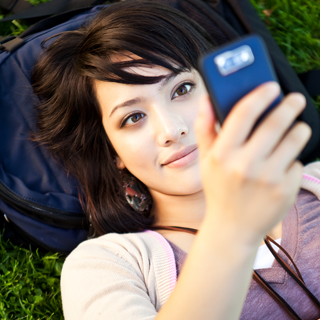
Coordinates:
[116,277]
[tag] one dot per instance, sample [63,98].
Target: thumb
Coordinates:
[205,125]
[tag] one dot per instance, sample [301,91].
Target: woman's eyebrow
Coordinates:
[127,104]
[167,79]
[131,102]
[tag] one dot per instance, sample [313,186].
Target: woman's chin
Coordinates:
[181,187]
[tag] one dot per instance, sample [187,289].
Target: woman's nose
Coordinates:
[170,129]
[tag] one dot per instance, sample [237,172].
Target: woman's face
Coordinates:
[151,127]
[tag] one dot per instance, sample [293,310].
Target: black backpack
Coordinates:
[38,200]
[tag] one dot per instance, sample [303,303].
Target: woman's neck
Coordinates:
[184,211]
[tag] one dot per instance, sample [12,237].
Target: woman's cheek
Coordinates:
[136,149]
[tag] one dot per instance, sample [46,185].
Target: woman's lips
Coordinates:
[183,160]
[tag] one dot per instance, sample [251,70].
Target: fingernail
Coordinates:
[299,97]
[273,88]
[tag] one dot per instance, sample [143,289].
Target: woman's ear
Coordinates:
[119,163]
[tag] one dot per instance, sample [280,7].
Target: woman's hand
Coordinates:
[251,181]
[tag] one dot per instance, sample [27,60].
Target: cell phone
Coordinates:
[233,70]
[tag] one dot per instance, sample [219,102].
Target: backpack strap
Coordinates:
[207,15]
[12,43]
[15,6]
[311,80]
[52,7]
[50,22]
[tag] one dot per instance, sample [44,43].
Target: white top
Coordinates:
[264,258]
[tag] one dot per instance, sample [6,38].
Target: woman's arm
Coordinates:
[250,182]
[215,278]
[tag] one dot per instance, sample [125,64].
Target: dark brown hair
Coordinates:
[70,122]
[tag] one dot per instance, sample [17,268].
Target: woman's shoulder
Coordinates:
[311,178]
[112,252]
[135,247]
[301,226]
[141,253]
[103,269]
[307,205]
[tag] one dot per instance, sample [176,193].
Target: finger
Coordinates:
[291,186]
[242,118]
[290,147]
[205,126]
[272,129]
[294,175]
[293,179]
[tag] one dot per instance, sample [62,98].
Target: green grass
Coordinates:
[15,27]
[295,25]
[29,280]
[29,283]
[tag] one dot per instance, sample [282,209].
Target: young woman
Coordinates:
[124,107]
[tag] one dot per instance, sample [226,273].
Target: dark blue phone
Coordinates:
[235,69]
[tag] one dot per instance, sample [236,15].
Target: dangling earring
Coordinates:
[133,193]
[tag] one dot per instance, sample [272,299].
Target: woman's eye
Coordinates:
[133,119]
[183,89]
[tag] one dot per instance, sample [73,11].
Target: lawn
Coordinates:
[29,283]
[29,280]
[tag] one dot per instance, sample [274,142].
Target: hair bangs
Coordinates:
[124,71]
[144,37]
